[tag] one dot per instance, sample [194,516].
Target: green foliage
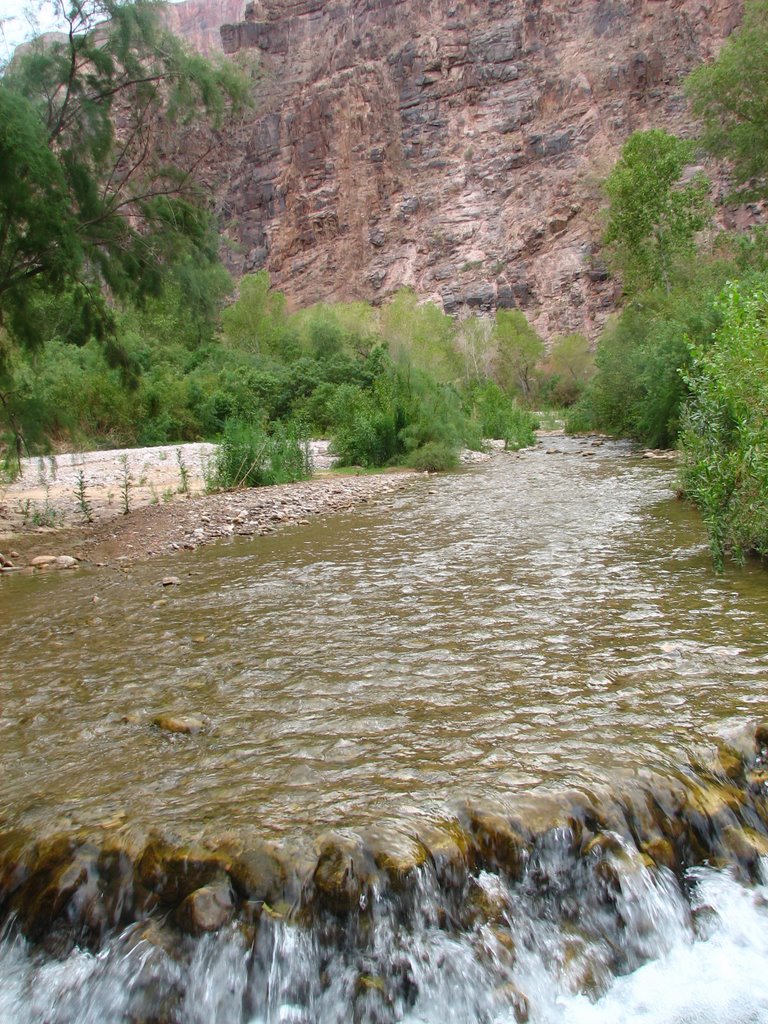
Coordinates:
[249,457]
[519,349]
[570,366]
[256,322]
[367,423]
[638,391]
[499,416]
[725,436]
[476,346]
[730,97]
[84,506]
[90,201]
[433,457]
[422,334]
[653,216]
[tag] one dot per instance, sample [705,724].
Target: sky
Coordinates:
[16,26]
[21,19]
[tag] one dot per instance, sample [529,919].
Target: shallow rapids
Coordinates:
[544,619]
[483,752]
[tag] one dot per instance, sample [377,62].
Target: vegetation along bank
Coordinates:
[119,325]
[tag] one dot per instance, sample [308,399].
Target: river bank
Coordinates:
[135,503]
[188,521]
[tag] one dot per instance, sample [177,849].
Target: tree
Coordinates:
[421,333]
[725,434]
[730,96]
[257,321]
[519,348]
[654,215]
[98,191]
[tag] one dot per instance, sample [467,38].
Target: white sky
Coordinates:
[20,19]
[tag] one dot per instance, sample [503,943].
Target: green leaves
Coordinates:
[730,98]
[725,436]
[93,190]
[654,215]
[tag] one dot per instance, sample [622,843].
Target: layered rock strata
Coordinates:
[453,147]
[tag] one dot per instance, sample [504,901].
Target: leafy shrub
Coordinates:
[433,457]
[725,435]
[249,457]
[638,390]
[499,416]
[366,424]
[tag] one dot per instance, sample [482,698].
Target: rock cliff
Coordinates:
[452,146]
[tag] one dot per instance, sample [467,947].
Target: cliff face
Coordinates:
[454,147]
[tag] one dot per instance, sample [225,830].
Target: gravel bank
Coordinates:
[164,487]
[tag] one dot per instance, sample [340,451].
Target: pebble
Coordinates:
[171,581]
[54,562]
[183,724]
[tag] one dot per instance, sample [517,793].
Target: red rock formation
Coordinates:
[453,146]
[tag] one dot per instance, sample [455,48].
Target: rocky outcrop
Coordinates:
[453,147]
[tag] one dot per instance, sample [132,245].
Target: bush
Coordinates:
[433,457]
[499,416]
[725,436]
[366,424]
[249,457]
[638,390]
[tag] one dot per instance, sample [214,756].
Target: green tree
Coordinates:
[654,215]
[518,349]
[96,196]
[422,334]
[257,321]
[730,97]
[725,435]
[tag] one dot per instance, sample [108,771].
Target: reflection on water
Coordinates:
[544,618]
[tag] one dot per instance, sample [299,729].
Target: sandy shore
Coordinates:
[42,514]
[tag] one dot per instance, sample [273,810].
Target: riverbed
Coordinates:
[546,622]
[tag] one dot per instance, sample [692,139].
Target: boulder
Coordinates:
[207,909]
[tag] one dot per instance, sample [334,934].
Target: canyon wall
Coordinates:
[451,146]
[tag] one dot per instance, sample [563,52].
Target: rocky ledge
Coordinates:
[563,849]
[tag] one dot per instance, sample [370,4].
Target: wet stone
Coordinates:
[173,873]
[206,909]
[260,874]
[343,873]
[182,724]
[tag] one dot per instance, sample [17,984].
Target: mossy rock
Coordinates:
[486,905]
[397,856]
[499,843]
[451,849]
[344,873]
[511,995]
[17,860]
[207,909]
[661,853]
[746,847]
[172,873]
[261,873]
[494,946]
[63,883]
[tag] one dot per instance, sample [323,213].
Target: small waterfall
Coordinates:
[644,902]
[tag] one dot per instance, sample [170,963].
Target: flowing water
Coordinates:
[547,620]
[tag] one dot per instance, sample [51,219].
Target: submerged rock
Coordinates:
[184,724]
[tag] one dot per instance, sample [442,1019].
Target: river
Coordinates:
[547,622]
